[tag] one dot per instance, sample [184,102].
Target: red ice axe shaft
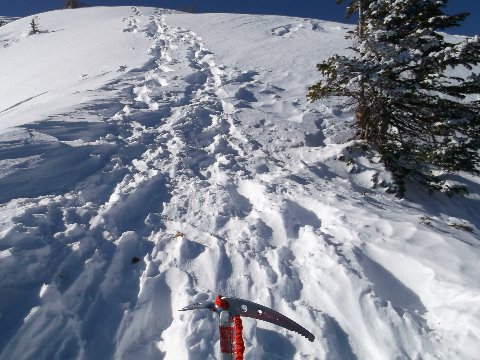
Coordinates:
[230,310]
[231,340]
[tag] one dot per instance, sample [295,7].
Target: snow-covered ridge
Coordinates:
[185,140]
[4,20]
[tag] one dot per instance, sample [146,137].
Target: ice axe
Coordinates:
[230,310]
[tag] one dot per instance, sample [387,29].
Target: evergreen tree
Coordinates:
[34,26]
[356,6]
[411,103]
[72,4]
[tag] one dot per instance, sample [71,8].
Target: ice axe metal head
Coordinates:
[199,305]
[253,310]
[245,308]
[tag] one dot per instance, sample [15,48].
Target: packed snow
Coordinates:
[186,141]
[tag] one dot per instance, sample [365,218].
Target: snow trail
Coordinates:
[191,176]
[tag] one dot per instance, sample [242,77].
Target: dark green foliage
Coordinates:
[351,7]
[34,26]
[189,9]
[411,104]
[73,4]
[463,227]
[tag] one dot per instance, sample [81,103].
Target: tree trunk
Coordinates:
[361,25]
[362,109]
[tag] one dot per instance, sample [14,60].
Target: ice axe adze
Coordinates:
[230,310]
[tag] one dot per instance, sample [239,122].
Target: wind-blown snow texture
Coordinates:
[122,126]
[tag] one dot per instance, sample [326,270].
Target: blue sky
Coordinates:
[319,9]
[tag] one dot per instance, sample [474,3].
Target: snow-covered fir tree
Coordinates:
[411,106]
[72,4]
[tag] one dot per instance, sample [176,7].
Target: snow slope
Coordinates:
[186,141]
